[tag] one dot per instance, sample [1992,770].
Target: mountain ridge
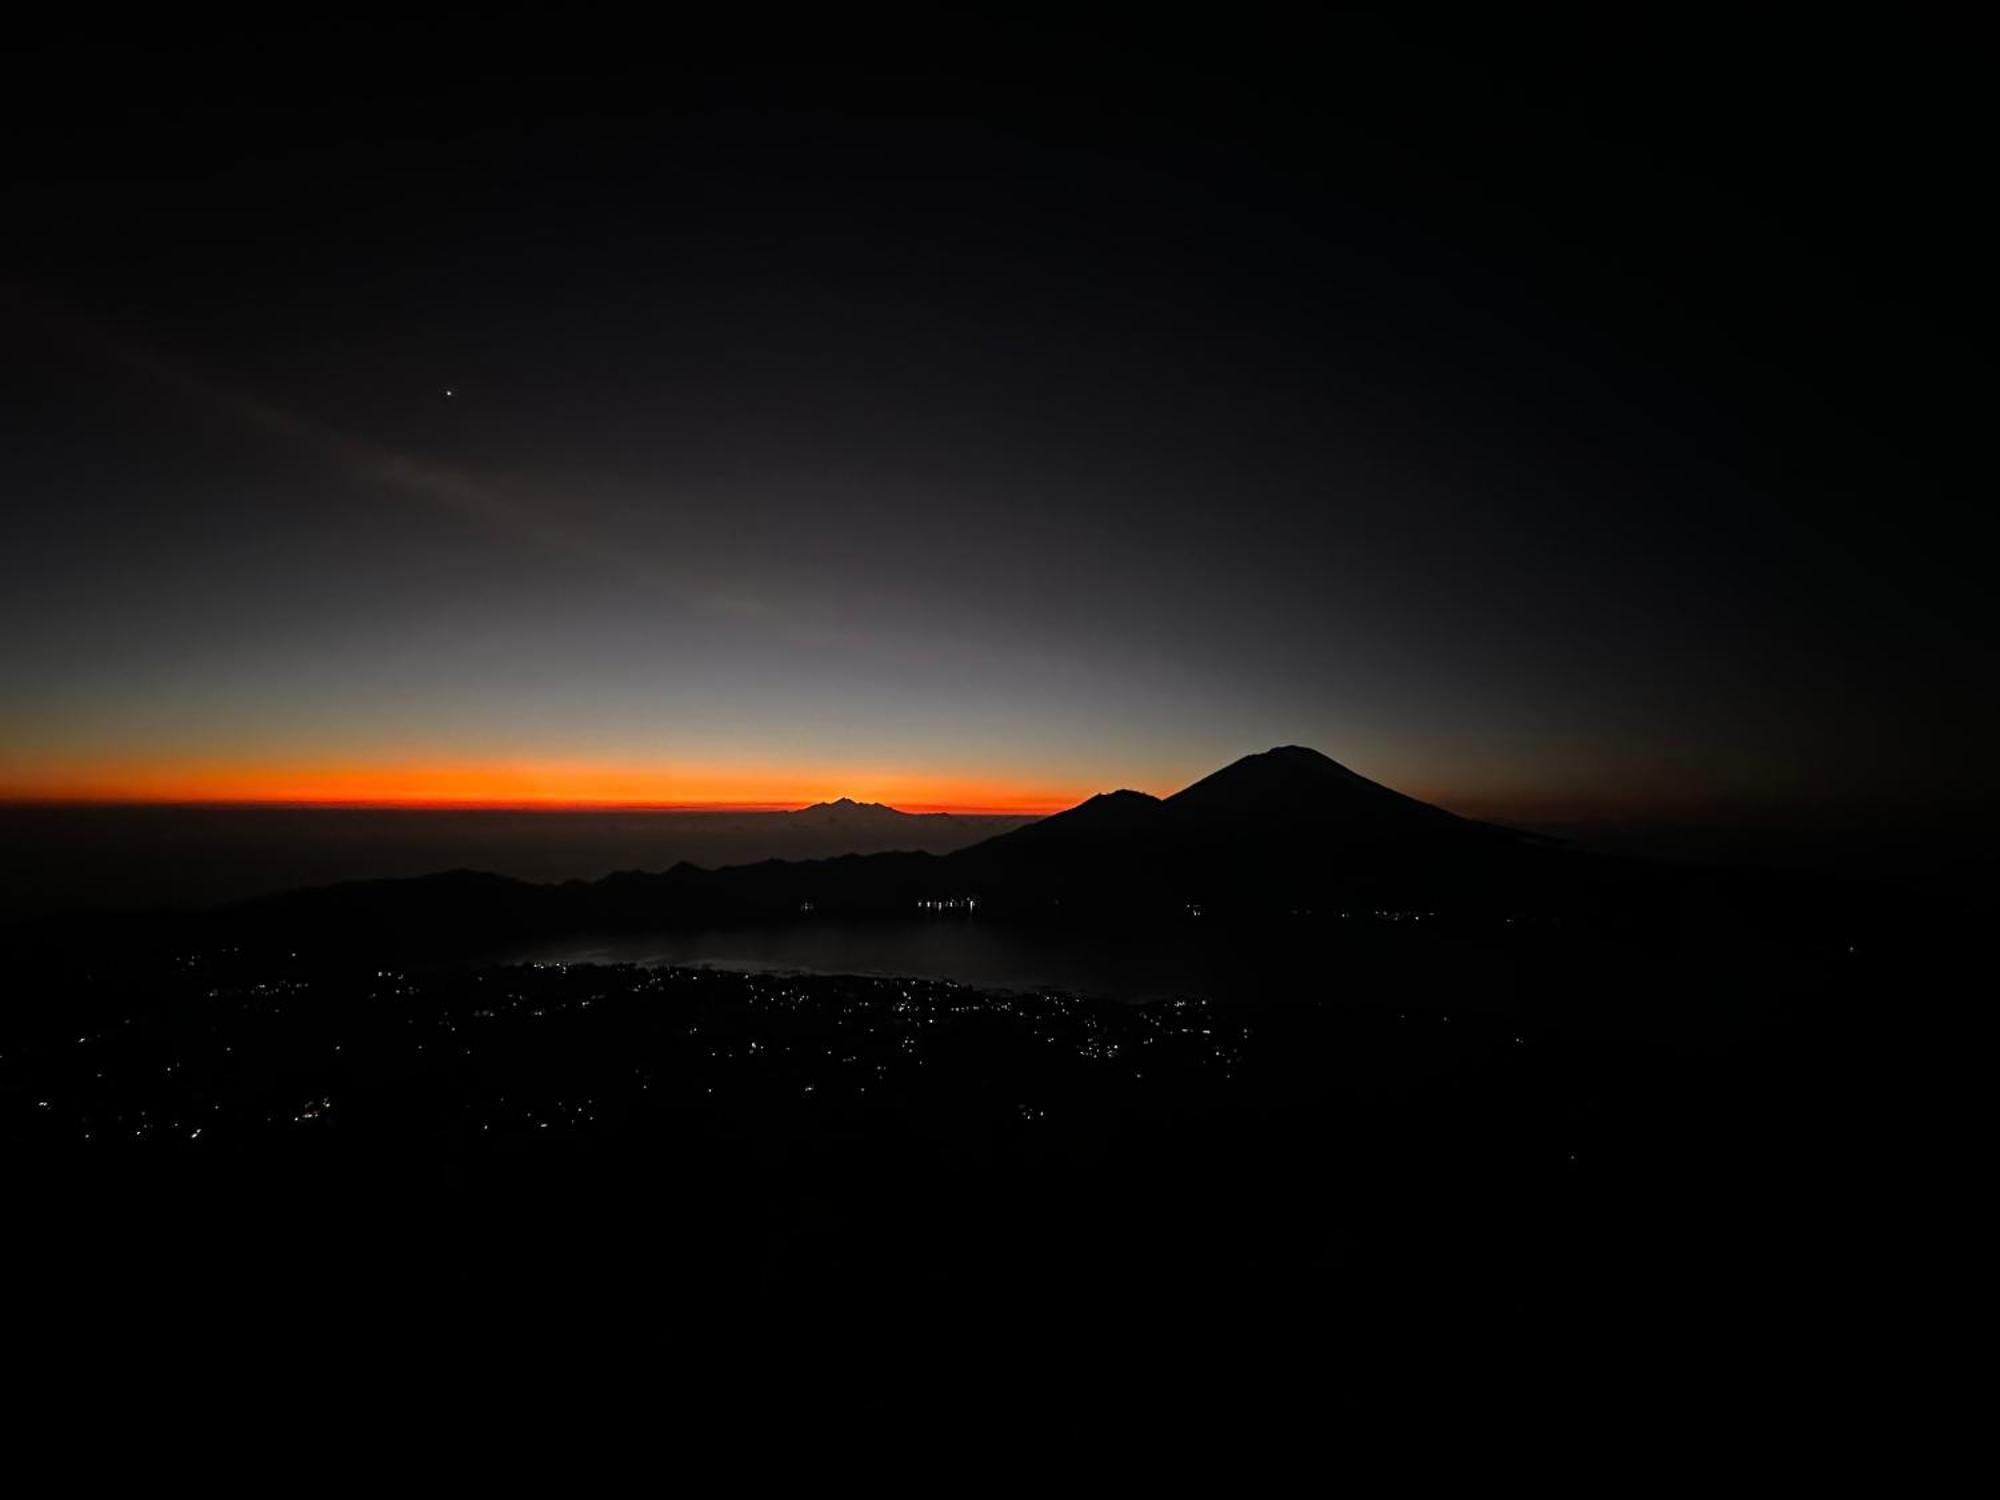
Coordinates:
[1286,830]
[1295,781]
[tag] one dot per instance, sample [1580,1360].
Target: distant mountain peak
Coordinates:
[849,805]
[1295,781]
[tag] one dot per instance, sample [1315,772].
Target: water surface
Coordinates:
[1211,962]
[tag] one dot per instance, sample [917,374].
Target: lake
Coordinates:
[1215,961]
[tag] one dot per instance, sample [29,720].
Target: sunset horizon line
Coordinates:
[526,804]
[529,784]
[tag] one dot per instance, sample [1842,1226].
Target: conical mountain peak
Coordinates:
[1294,781]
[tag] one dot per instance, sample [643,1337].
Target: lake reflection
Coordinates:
[1133,966]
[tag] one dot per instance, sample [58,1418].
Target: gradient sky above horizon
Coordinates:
[904,434]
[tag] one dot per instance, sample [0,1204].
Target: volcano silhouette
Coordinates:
[1287,825]
[1295,783]
[1291,793]
[1287,831]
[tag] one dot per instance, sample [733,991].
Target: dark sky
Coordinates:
[1535,416]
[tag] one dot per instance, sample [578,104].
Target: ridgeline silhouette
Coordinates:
[1288,832]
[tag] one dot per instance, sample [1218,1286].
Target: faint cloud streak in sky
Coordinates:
[492,508]
[481,502]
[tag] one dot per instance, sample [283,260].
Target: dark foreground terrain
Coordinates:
[896,1197]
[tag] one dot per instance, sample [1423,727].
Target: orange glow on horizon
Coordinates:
[526,785]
